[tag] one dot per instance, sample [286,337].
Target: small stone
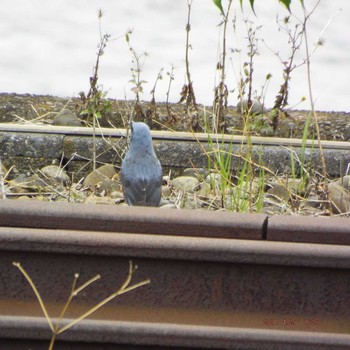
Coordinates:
[76,196]
[55,174]
[214,179]
[66,118]
[185,183]
[167,206]
[190,202]
[117,195]
[99,200]
[280,191]
[24,198]
[198,173]
[107,187]
[275,205]
[166,191]
[19,184]
[101,173]
[204,190]
[35,182]
[297,186]
[21,179]
[344,182]
[256,107]
[340,197]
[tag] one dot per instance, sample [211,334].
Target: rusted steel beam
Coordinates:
[309,230]
[173,247]
[203,283]
[199,223]
[216,282]
[171,335]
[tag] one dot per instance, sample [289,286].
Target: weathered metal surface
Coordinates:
[132,219]
[173,247]
[218,287]
[309,230]
[208,289]
[142,335]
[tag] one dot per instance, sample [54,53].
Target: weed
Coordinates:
[221,90]
[137,62]
[171,116]
[151,112]
[313,111]
[187,94]
[57,328]
[94,105]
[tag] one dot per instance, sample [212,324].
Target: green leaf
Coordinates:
[251,4]
[286,3]
[219,5]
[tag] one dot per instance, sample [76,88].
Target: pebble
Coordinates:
[185,183]
[107,186]
[55,174]
[101,173]
[66,118]
[198,173]
[256,108]
[98,200]
[340,197]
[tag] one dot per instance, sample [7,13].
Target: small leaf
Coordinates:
[85,111]
[219,5]
[252,5]
[286,3]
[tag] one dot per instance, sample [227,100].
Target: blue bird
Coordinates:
[141,173]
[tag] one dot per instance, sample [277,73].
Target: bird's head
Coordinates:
[141,139]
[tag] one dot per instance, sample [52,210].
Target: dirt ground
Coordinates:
[291,123]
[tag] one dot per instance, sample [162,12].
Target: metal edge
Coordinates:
[174,247]
[136,333]
[309,229]
[131,219]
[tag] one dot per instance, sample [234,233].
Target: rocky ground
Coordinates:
[196,188]
[43,109]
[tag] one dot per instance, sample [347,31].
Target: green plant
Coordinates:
[221,90]
[170,74]
[138,61]
[306,18]
[242,189]
[57,328]
[151,112]
[187,94]
[94,105]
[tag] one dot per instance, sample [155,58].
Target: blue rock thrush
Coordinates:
[141,173]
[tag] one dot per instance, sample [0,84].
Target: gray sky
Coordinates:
[49,47]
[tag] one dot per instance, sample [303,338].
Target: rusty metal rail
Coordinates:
[218,280]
